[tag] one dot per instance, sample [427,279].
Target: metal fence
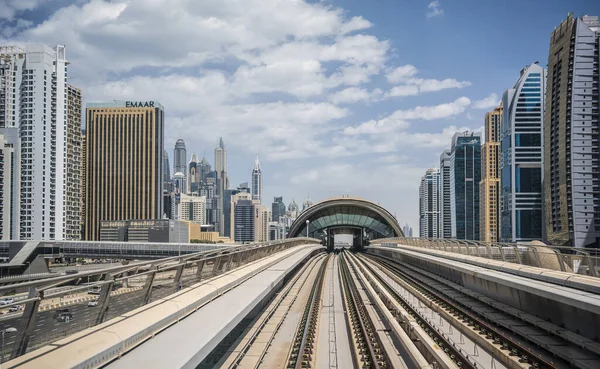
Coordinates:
[117,289]
[584,261]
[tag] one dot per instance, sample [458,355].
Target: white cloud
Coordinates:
[398,119]
[435,9]
[10,8]
[352,95]
[487,103]
[402,73]
[411,86]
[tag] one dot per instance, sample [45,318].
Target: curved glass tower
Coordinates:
[521,148]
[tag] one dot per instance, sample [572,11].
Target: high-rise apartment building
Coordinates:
[277,209]
[262,216]
[521,162]
[445,222]
[73,173]
[571,139]
[191,208]
[82,186]
[179,157]
[489,187]
[465,174]
[7,154]
[429,213]
[33,98]
[124,151]
[257,184]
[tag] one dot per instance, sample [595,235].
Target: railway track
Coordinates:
[475,316]
[368,348]
[302,350]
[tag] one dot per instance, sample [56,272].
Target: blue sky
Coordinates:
[337,97]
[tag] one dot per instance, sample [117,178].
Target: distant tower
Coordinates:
[257,183]
[193,175]
[221,184]
[307,204]
[203,170]
[166,172]
[180,157]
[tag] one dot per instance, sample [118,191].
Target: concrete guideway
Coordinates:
[127,330]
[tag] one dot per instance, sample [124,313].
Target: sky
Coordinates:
[336,97]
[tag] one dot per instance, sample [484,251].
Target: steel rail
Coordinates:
[526,354]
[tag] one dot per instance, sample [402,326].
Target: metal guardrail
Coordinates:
[148,272]
[584,261]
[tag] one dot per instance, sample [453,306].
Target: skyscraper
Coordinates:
[242,217]
[203,169]
[571,141]
[257,184]
[6,190]
[521,157]
[489,187]
[180,157]
[262,215]
[277,209]
[83,185]
[33,97]
[73,173]
[465,174]
[429,213]
[407,230]
[166,172]
[193,174]
[445,230]
[221,184]
[124,175]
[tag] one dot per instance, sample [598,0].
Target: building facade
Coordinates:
[429,210]
[166,172]
[465,174]
[257,183]
[445,222]
[521,161]
[73,159]
[124,152]
[262,216]
[277,209]
[571,139]
[33,98]
[192,208]
[489,187]
[6,188]
[222,183]
[242,217]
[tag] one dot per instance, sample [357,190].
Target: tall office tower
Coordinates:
[465,174]
[73,173]
[179,157]
[193,174]
[445,222]
[124,176]
[221,182]
[203,169]
[34,99]
[521,160]
[262,215]
[7,155]
[191,208]
[277,209]
[166,172]
[257,184]
[571,141]
[242,217]
[429,209]
[489,187]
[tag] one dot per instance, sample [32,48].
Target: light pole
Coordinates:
[7,330]
[307,222]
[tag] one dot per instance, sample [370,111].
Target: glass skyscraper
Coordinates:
[465,174]
[429,204]
[445,222]
[521,157]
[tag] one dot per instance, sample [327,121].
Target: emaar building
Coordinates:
[521,148]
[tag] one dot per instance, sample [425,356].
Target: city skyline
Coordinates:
[335,119]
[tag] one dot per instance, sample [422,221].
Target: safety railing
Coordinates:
[140,282]
[584,261]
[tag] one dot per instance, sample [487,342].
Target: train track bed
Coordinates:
[257,347]
[521,343]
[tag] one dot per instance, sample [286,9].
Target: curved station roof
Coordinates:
[350,212]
